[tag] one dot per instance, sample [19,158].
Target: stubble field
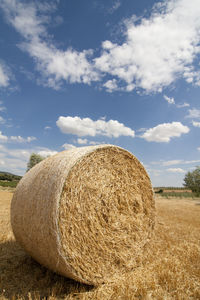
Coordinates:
[168,269]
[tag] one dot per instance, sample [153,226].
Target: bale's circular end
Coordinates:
[95,210]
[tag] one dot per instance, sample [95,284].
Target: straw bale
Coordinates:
[85,213]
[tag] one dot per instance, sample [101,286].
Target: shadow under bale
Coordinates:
[22,277]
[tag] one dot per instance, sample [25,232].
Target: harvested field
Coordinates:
[168,269]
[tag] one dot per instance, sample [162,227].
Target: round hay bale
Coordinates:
[85,213]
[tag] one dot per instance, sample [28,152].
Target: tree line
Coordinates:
[5,176]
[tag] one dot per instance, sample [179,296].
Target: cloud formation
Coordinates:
[168,163]
[158,50]
[4,76]
[183,105]
[16,139]
[88,127]
[155,52]
[194,113]
[30,20]
[19,139]
[163,133]
[81,141]
[116,4]
[196,124]
[169,100]
[46,152]
[68,146]
[84,142]
[3,138]
[172,162]
[111,85]
[176,170]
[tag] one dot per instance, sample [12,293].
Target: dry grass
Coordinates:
[169,268]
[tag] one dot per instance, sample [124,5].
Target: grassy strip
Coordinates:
[12,184]
[170,188]
[179,195]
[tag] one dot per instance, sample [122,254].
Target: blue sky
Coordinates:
[76,73]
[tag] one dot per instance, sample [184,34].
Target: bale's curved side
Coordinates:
[35,208]
[85,213]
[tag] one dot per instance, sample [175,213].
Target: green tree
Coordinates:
[192,180]
[34,160]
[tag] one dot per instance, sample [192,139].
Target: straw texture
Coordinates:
[85,213]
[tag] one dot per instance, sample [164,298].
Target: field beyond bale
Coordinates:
[168,269]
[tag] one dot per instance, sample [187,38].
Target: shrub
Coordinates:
[34,160]
[192,180]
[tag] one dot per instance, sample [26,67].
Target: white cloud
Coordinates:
[194,113]
[88,127]
[172,162]
[154,172]
[107,45]
[47,127]
[168,163]
[183,105]
[196,124]
[19,139]
[198,148]
[93,143]
[176,170]
[30,139]
[23,154]
[115,6]
[191,161]
[46,152]
[81,141]
[158,50]
[3,138]
[164,132]
[4,76]
[2,108]
[16,139]
[142,129]
[111,85]
[86,141]
[169,100]
[2,120]
[55,65]
[68,146]
[23,17]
